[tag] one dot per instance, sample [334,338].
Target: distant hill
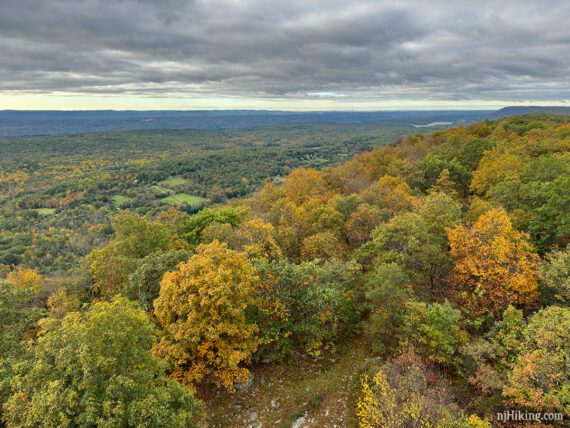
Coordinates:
[515,110]
[28,123]
[25,123]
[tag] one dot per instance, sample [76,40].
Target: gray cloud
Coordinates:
[360,50]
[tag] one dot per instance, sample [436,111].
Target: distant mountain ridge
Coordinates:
[14,123]
[514,110]
[27,123]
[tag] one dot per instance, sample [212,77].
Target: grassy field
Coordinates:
[173,181]
[180,198]
[45,211]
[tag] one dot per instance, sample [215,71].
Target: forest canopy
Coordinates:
[446,255]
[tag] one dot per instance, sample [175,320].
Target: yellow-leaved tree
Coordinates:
[23,278]
[202,310]
[304,184]
[494,168]
[258,239]
[391,193]
[399,395]
[495,264]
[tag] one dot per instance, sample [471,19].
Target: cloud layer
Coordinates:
[309,49]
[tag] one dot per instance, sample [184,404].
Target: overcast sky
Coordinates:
[290,54]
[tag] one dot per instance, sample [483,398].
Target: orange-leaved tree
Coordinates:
[202,310]
[495,264]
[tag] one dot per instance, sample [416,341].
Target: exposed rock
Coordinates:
[299,422]
[242,387]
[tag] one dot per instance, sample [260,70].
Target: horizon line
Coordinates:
[270,110]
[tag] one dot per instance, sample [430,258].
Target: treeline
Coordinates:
[449,252]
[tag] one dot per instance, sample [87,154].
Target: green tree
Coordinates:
[440,211]
[387,291]
[406,240]
[96,369]
[417,240]
[223,232]
[554,278]
[195,224]
[433,330]
[472,151]
[446,185]
[306,305]
[550,225]
[135,238]
[144,282]
[540,377]
[523,363]
[426,172]
[18,317]
[487,360]
[346,204]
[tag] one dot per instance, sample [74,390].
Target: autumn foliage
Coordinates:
[447,256]
[202,311]
[495,264]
